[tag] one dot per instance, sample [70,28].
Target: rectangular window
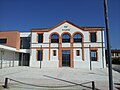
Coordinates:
[40,55]
[77,52]
[25,42]
[93,36]
[54,52]
[40,38]
[93,55]
[3,41]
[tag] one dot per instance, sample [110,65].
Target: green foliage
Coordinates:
[116,61]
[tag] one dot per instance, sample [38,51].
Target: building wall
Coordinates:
[25,34]
[9,58]
[82,61]
[53,62]
[13,38]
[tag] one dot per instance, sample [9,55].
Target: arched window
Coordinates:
[77,37]
[54,38]
[65,38]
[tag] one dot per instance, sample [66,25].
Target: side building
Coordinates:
[14,48]
[64,45]
[115,55]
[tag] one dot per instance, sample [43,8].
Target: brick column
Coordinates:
[72,59]
[60,52]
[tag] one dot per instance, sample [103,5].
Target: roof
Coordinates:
[85,28]
[115,51]
[41,29]
[4,47]
[8,48]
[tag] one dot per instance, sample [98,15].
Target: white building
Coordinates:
[64,45]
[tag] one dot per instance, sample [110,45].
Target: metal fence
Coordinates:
[82,86]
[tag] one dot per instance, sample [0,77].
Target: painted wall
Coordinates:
[53,62]
[25,34]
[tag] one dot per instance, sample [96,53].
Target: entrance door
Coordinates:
[24,59]
[66,58]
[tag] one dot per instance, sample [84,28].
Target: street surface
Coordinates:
[116,67]
[56,78]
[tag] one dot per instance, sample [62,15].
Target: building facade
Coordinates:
[64,45]
[115,53]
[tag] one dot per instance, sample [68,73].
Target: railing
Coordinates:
[82,84]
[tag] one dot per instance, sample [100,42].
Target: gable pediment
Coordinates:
[67,26]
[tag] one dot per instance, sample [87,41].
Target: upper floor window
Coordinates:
[3,41]
[25,42]
[40,38]
[65,38]
[77,37]
[93,36]
[54,38]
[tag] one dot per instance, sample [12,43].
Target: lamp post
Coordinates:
[102,48]
[40,60]
[90,57]
[108,46]
[2,52]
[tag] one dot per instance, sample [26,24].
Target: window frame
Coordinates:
[77,52]
[76,40]
[38,55]
[65,40]
[55,40]
[93,40]
[24,41]
[54,53]
[96,55]
[4,42]
[40,41]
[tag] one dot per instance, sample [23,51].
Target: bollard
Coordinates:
[6,83]
[93,85]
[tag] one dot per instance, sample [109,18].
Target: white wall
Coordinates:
[25,34]
[34,37]
[77,58]
[53,62]
[9,58]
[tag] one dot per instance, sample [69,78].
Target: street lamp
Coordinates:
[40,60]
[90,57]
[2,53]
[108,46]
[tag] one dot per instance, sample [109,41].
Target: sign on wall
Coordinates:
[66,28]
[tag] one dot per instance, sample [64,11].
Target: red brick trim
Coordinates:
[54,33]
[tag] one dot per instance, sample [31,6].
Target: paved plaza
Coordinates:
[56,78]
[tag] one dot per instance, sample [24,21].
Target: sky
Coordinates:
[23,15]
